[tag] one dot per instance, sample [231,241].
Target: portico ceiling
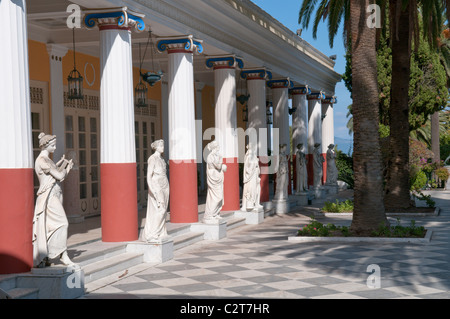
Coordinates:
[225,26]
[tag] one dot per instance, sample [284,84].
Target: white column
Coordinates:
[226,123]
[280,100]
[199,132]
[16,156]
[257,119]
[182,130]
[314,130]
[300,116]
[327,125]
[118,150]
[56,53]
[165,117]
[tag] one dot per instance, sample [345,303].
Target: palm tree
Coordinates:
[404,25]
[369,210]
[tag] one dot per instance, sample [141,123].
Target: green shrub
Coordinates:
[419,180]
[338,207]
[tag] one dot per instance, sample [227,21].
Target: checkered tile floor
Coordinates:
[258,262]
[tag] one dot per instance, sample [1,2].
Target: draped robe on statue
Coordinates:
[215,178]
[50,222]
[158,200]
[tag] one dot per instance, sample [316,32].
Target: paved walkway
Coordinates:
[258,262]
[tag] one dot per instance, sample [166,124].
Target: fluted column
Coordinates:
[16,156]
[299,120]
[226,123]
[327,129]
[118,150]
[256,84]
[314,130]
[182,132]
[280,99]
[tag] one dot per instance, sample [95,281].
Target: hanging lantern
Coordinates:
[140,94]
[245,114]
[75,80]
[269,115]
[152,77]
[243,98]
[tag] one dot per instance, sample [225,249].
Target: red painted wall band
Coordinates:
[264,197]
[231,185]
[183,191]
[16,220]
[310,169]
[119,202]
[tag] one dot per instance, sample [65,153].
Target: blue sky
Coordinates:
[286,12]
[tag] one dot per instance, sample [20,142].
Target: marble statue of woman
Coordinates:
[332,172]
[215,176]
[50,222]
[301,170]
[318,165]
[158,196]
[251,180]
[281,192]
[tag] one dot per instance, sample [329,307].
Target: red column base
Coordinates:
[16,220]
[310,169]
[119,202]
[264,195]
[183,191]
[231,185]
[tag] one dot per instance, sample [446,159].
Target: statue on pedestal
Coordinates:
[215,177]
[158,196]
[251,180]
[332,171]
[282,179]
[318,165]
[50,222]
[301,170]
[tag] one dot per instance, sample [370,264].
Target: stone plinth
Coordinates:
[302,198]
[253,217]
[157,251]
[331,189]
[56,282]
[281,206]
[211,231]
[319,192]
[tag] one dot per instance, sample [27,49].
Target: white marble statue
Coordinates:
[215,177]
[158,196]
[332,171]
[318,165]
[282,179]
[50,223]
[251,181]
[301,170]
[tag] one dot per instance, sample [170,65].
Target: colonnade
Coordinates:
[118,151]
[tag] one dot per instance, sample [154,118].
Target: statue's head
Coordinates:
[158,145]
[46,140]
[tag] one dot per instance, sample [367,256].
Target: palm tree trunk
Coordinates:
[369,212]
[435,145]
[397,191]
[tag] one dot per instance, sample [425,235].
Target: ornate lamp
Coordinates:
[140,94]
[151,77]
[75,80]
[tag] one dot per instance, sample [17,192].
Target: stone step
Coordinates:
[186,239]
[24,293]
[235,222]
[97,270]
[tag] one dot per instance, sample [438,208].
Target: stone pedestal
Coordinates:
[319,192]
[211,231]
[447,184]
[56,282]
[154,252]
[302,198]
[253,217]
[331,189]
[281,206]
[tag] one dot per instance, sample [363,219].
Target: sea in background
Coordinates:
[344,145]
